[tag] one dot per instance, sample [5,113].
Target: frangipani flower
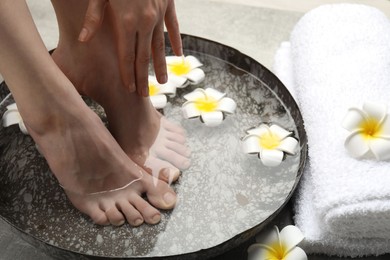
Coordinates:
[270,143]
[158,92]
[278,246]
[370,131]
[13,117]
[185,70]
[210,105]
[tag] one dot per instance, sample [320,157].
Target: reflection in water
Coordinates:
[224,193]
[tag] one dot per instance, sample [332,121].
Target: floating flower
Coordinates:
[13,117]
[210,105]
[158,92]
[185,70]
[270,143]
[370,131]
[278,246]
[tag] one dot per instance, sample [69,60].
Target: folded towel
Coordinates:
[339,57]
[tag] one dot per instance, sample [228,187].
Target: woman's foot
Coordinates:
[148,138]
[144,136]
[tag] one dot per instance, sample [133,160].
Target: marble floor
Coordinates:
[254,27]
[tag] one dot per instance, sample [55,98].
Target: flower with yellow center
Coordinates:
[275,245]
[13,117]
[270,143]
[158,92]
[370,131]
[185,70]
[210,105]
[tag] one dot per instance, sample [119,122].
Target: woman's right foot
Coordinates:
[93,169]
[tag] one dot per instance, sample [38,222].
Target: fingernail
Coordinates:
[83,35]
[163,79]
[169,198]
[138,222]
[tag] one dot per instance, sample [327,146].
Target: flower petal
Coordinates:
[250,144]
[11,117]
[227,105]
[178,81]
[194,62]
[259,251]
[173,59]
[291,236]
[353,119]
[259,131]
[195,76]
[288,145]
[375,110]
[212,118]
[23,128]
[279,131]
[296,254]
[196,94]
[168,88]
[189,110]
[12,106]
[380,148]
[158,101]
[217,95]
[356,145]
[385,127]
[268,236]
[271,158]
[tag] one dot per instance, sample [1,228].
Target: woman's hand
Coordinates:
[139,30]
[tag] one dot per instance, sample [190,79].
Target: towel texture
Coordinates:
[339,57]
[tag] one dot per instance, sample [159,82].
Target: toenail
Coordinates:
[169,198]
[138,222]
[156,218]
[174,173]
[120,223]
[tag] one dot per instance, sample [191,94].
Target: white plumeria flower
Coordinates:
[13,117]
[185,70]
[370,131]
[278,246]
[270,143]
[158,92]
[210,105]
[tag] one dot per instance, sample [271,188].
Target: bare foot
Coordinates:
[148,138]
[144,136]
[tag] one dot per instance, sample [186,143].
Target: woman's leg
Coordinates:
[148,139]
[80,151]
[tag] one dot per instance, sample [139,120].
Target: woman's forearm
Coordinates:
[25,64]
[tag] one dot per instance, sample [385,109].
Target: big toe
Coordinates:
[160,194]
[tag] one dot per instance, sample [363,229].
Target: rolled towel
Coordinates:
[339,57]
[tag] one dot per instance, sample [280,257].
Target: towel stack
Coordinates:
[339,57]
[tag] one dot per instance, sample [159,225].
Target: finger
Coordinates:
[126,42]
[93,19]
[144,42]
[172,25]
[158,52]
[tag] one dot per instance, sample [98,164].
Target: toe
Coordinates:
[115,217]
[162,170]
[159,193]
[176,159]
[177,138]
[97,215]
[179,148]
[133,216]
[149,213]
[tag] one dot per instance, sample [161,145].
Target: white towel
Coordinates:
[339,57]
